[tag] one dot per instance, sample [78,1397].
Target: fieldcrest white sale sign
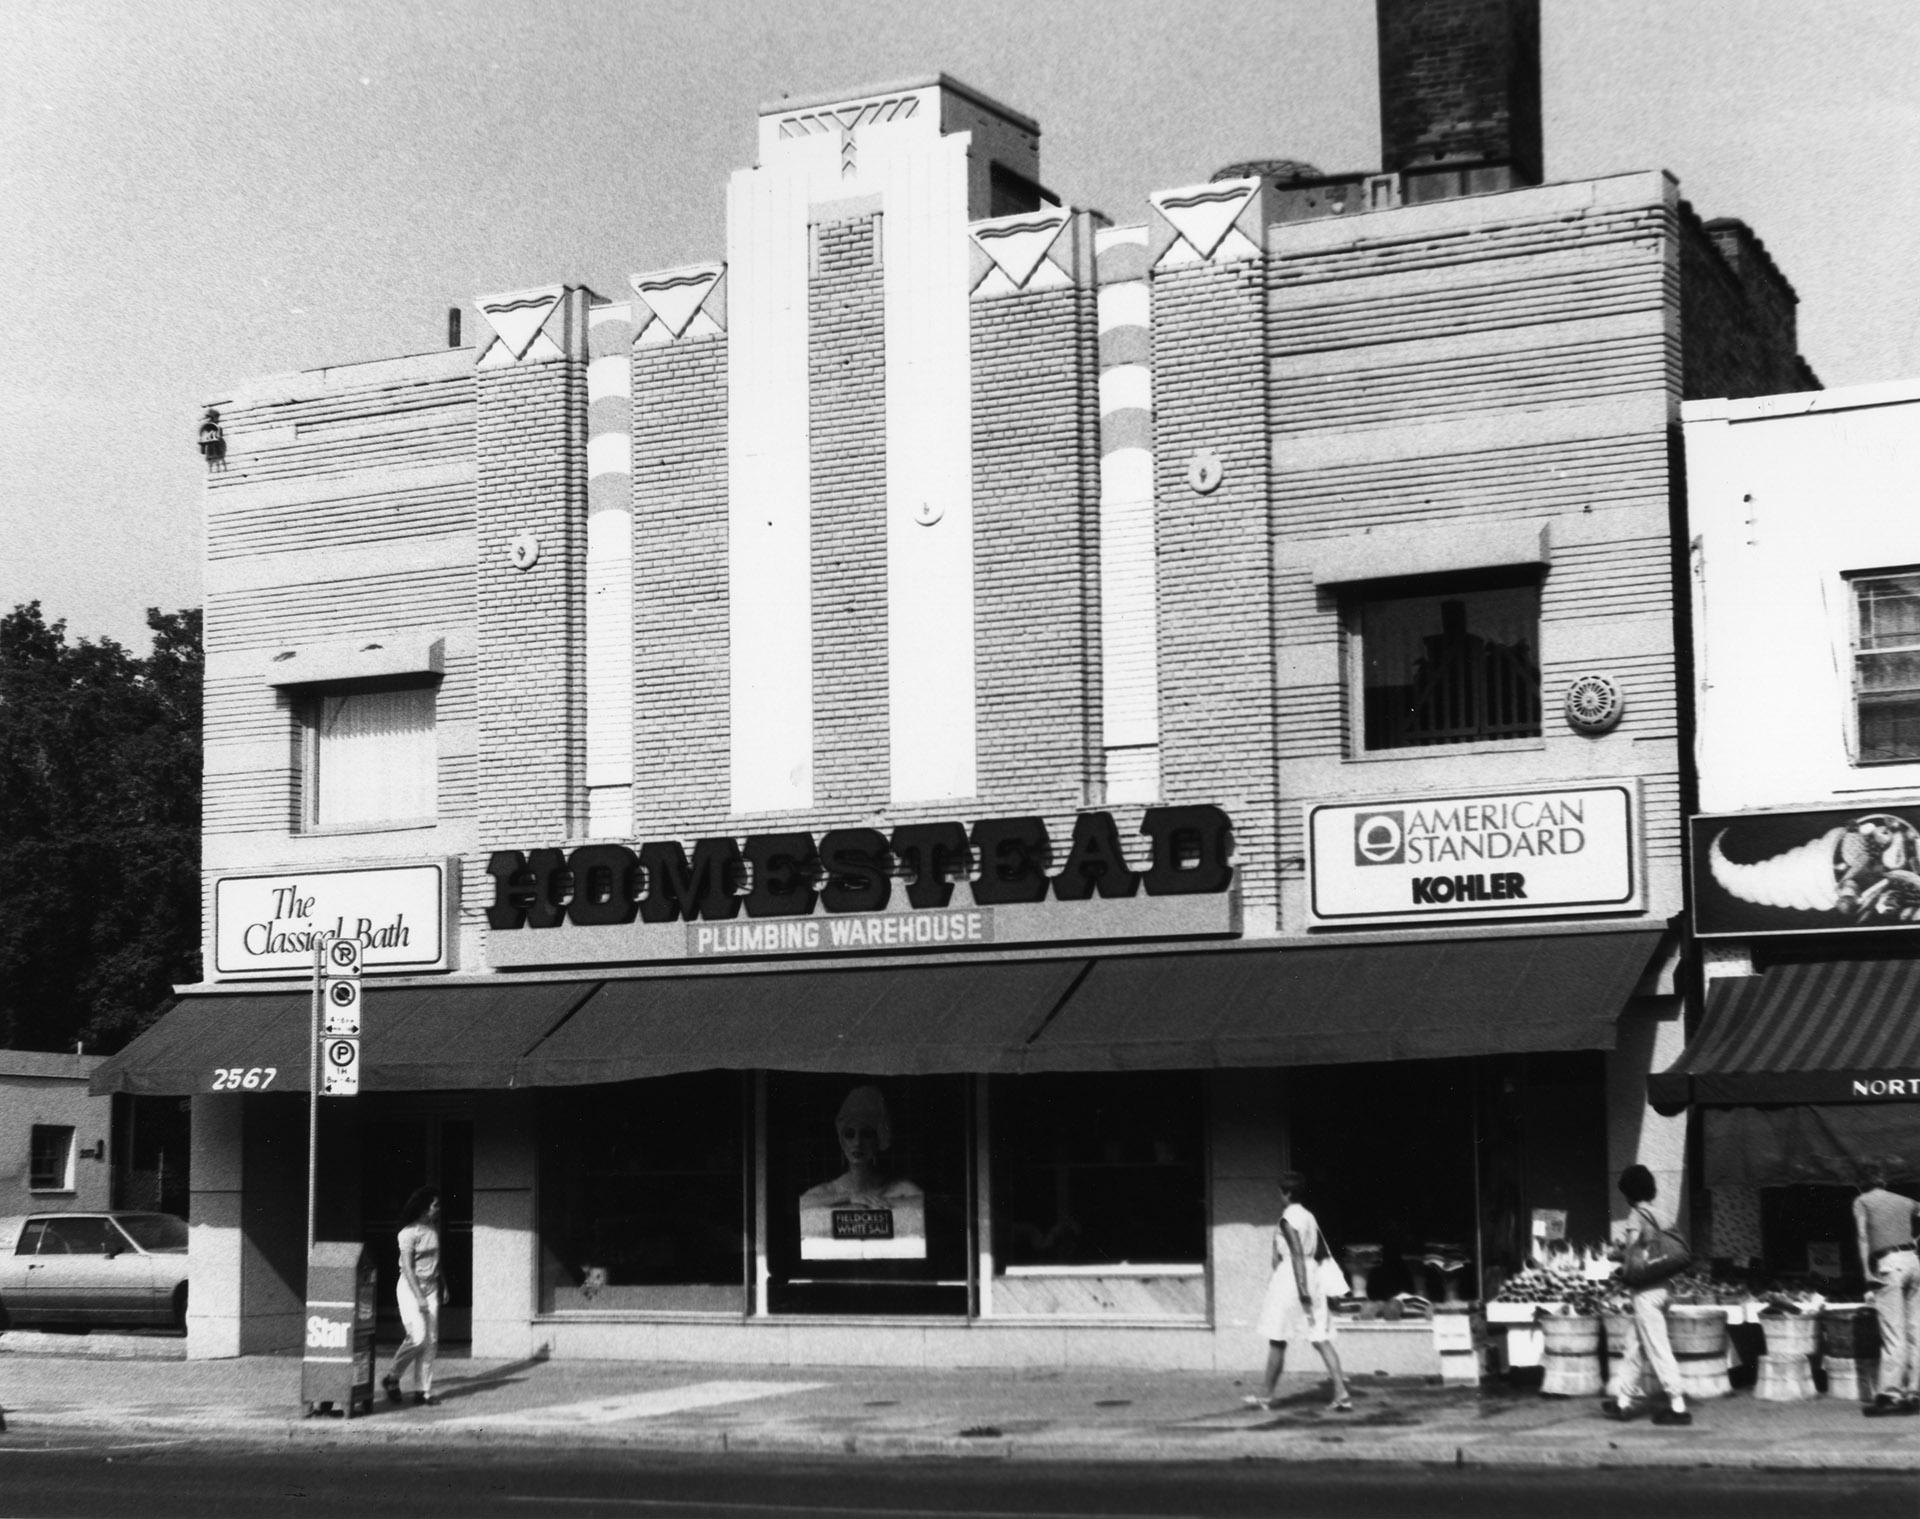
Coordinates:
[267,925]
[1492,855]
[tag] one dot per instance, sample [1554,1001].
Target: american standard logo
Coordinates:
[776,876]
[1450,832]
[1520,851]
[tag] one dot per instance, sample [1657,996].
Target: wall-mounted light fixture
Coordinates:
[213,442]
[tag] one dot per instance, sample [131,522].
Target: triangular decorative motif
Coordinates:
[1204,214]
[519,315]
[1017,244]
[674,297]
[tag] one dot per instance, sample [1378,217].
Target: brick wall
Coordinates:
[532,479]
[846,373]
[1217,720]
[1460,83]
[680,706]
[1036,561]
[1737,315]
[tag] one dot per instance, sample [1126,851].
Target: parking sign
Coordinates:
[340,1066]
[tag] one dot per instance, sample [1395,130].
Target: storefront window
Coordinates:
[867,1194]
[1098,1170]
[642,1196]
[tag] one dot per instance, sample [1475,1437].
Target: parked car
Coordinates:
[93,1268]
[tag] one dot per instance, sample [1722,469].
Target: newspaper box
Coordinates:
[338,1370]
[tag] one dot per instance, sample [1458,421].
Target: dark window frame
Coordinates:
[1462,687]
[37,1172]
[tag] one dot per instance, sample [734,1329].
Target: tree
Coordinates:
[99,829]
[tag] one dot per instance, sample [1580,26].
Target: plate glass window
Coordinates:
[372,757]
[1886,666]
[50,1158]
[1453,662]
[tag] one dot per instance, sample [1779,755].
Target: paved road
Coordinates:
[161,1478]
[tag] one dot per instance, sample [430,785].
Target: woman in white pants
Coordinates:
[1650,1344]
[419,1292]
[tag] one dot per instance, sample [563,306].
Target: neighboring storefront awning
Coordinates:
[1819,1032]
[419,1038]
[888,1021]
[1829,1143]
[1336,1004]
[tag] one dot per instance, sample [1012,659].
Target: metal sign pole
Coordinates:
[313,1104]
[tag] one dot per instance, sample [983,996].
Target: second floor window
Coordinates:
[1886,666]
[372,757]
[1447,662]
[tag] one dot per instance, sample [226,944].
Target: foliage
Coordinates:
[99,829]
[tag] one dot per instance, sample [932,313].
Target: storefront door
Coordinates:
[399,1151]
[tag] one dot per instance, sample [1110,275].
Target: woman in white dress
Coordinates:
[1296,1304]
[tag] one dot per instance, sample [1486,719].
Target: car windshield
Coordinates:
[154,1231]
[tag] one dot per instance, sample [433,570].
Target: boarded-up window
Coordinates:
[373,758]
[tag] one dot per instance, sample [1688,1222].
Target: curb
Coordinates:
[91,1346]
[1281,1450]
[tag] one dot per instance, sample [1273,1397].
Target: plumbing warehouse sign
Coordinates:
[1498,854]
[267,925]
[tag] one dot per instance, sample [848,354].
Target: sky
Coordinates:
[193,194]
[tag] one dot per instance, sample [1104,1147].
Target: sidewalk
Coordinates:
[1090,1414]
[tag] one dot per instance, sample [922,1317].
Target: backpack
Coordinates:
[1659,1253]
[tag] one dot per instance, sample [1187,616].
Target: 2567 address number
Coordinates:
[236,1078]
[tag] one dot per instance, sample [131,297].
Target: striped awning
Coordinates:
[1809,1032]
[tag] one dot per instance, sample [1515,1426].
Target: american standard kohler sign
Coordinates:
[1496,854]
[931,886]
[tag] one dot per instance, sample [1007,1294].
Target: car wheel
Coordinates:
[180,1308]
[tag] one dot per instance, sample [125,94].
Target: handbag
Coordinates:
[1327,1273]
[1658,1254]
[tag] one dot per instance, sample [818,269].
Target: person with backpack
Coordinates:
[1648,1252]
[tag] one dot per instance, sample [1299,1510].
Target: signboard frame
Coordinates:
[297,963]
[1779,853]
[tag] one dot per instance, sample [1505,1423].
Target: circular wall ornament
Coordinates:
[1205,471]
[926,514]
[523,550]
[1594,703]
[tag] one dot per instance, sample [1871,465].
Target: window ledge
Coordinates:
[53,1191]
[1445,751]
[398,825]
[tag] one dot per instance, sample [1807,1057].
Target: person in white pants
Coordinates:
[1883,1226]
[419,1292]
[1650,1344]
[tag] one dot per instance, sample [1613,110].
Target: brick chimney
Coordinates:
[1459,95]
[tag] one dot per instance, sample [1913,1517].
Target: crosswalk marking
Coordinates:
[638,1405]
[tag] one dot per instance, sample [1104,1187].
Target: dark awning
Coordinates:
[886,1021]
[418,1038]
[1830,1143]
[1823,1031]
[1339,1003]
